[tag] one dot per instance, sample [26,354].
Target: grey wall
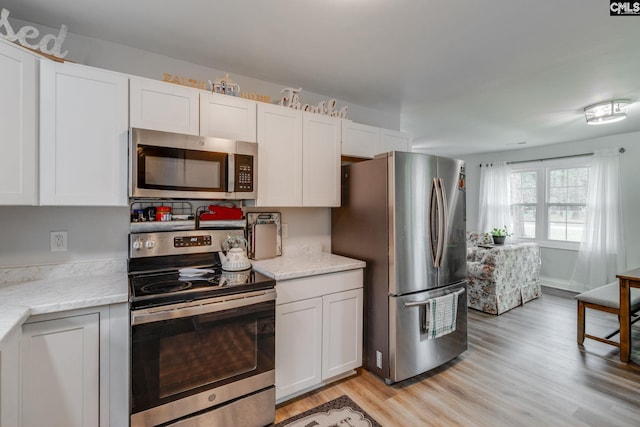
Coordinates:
[124,59]
[101,233]
[558,264]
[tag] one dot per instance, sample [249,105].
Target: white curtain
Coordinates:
[494,210]
[602,253]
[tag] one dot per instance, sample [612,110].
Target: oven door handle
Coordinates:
[206,306]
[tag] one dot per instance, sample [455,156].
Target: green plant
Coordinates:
[500,232]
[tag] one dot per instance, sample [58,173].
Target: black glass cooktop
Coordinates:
[150,289]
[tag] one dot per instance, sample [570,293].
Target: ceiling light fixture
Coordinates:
[607,112]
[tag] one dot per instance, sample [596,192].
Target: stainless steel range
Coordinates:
[202,339]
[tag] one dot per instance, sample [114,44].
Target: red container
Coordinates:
[221,212]
[163,213]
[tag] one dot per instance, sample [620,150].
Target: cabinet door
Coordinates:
[10,380]
[298,346]
[341,333]
[225,116]
[61,372]
[392,140]
[279,156]
[359,140]
[83,135]
[320,160]
[18,124]
[164,106]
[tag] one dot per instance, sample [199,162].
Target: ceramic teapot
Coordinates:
[236,257]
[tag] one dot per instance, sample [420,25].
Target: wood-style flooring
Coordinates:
[522,368]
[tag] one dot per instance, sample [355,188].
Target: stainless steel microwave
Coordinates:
[170,165]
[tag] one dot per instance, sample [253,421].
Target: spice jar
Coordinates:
[163,213]
[137,215]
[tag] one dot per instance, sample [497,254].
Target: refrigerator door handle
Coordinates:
[426,301]
[442,237]
[434,222]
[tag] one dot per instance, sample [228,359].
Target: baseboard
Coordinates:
[565,285]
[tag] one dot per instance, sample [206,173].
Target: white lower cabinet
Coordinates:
[341,332]
[60,372]
[69,375]
[10,381]
[298,346]
[318,330]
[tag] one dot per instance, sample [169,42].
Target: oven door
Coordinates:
[195,356]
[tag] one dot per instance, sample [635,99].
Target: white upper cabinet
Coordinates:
[18,124]
[279,156]
[225,116]
[366,141]
[164,106]
[83,135]
[298,158]
[393,140]
[359,140]
[320,160]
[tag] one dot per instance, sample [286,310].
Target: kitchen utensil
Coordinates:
[263,218]
[194,272]
[265,244]
[236,256]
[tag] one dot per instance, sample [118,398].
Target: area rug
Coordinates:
[340,412]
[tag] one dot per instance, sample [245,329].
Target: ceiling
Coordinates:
[466,76]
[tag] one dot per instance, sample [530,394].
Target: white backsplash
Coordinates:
[58,271]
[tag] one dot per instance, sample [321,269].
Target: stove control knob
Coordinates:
[137,244]
[150,244]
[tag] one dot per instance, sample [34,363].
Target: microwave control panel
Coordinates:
[244,173]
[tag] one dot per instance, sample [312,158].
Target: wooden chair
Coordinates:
[604,298]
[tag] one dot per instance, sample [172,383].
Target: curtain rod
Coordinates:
[621,150]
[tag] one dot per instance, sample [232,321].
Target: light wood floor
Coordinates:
[522,368]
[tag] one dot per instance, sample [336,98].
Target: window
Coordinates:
[548,200]
[524,203]
[566,203]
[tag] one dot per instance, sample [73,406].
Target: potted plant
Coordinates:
[499,235]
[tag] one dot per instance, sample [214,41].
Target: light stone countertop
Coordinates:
[305,264]
[19,300]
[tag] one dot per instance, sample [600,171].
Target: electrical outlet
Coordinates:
[379,360]
[58,241]
[285,230]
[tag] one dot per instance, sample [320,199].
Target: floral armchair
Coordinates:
[500,278]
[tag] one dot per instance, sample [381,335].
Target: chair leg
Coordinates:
[580,322]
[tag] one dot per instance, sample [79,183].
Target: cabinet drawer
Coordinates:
[316,286]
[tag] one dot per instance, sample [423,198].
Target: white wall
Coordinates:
[94,234]
[125,59]
[558,264]
[101,233]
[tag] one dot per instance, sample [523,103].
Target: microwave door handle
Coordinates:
[231,173]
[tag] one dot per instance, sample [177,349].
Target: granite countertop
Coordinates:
[305,264]
[19,300]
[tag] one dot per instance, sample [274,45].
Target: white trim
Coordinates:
[562,284]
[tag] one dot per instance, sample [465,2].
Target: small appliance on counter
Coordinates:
[264,235]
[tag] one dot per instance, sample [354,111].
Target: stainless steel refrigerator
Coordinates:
[404,215]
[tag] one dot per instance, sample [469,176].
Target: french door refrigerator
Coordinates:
[404,215]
